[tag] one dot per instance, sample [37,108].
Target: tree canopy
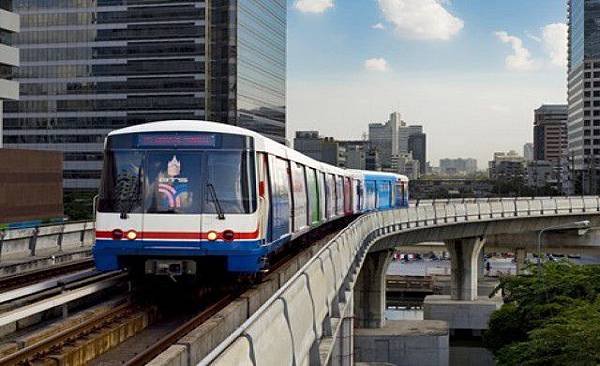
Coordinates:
[549,318]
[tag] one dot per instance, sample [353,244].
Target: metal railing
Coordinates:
[326,278]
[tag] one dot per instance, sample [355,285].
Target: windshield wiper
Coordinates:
[213,193]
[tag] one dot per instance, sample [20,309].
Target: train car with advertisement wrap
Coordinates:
[180,197]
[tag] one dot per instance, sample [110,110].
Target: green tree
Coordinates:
[79,205]
[550,318]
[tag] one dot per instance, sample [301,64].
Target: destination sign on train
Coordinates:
[188,140]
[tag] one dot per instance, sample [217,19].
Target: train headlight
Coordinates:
[131,235]
[212,236]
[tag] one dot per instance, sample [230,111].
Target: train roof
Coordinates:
[381,175]
[187,126]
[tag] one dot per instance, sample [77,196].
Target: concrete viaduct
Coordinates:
[313,318]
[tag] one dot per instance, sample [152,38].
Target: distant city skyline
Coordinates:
[472,82]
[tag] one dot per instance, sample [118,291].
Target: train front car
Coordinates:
[179,198]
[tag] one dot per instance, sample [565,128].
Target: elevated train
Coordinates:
[178,197]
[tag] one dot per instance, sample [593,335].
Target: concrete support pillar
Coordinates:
[481,264]
[464,255]
[344,348]
[369,291]
[520,255]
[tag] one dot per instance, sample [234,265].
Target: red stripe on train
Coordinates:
[179,236]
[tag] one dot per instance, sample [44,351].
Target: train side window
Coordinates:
[340,195]
[399,193]
[371,195]
[280,197]
[313,196]
[322,196]
[299,189]
[331,195]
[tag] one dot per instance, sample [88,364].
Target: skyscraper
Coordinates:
[404,134]
[90,66]
[550,133]
[384,138]
[584,92]
[417,145]
[9,56]
[528,151]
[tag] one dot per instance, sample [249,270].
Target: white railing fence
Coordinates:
[17,243]
[306,310]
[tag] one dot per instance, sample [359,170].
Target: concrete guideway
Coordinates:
[104,281]
[310,320]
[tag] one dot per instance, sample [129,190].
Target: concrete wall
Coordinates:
[404,343]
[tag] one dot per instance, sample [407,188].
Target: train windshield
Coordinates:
[179,181]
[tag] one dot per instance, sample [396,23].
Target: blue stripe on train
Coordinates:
[242,256]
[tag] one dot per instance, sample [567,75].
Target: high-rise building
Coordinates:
[357,152]
[550,133]
[404,134]
[91,66]
[384,138]
[584,92]
[9,56]
[325,149]
[507,166]
[528,151]
[417,146]
[405,164]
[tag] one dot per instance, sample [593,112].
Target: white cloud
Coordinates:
[378,26]
[554,39]
[421,19]
[532,36]
[376,64]
[520,59]
[313,6]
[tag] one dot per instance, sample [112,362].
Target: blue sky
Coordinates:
[470,71]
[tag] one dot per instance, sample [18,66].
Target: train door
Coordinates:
[347,196]
[173,199]
[357,196]
[405,195]
[280,218]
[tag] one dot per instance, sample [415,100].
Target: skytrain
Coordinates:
[193,197]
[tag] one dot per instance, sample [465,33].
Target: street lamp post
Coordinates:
[571,225]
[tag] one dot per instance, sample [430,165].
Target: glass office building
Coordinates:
[584,95]
[9,55]
[91,66]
